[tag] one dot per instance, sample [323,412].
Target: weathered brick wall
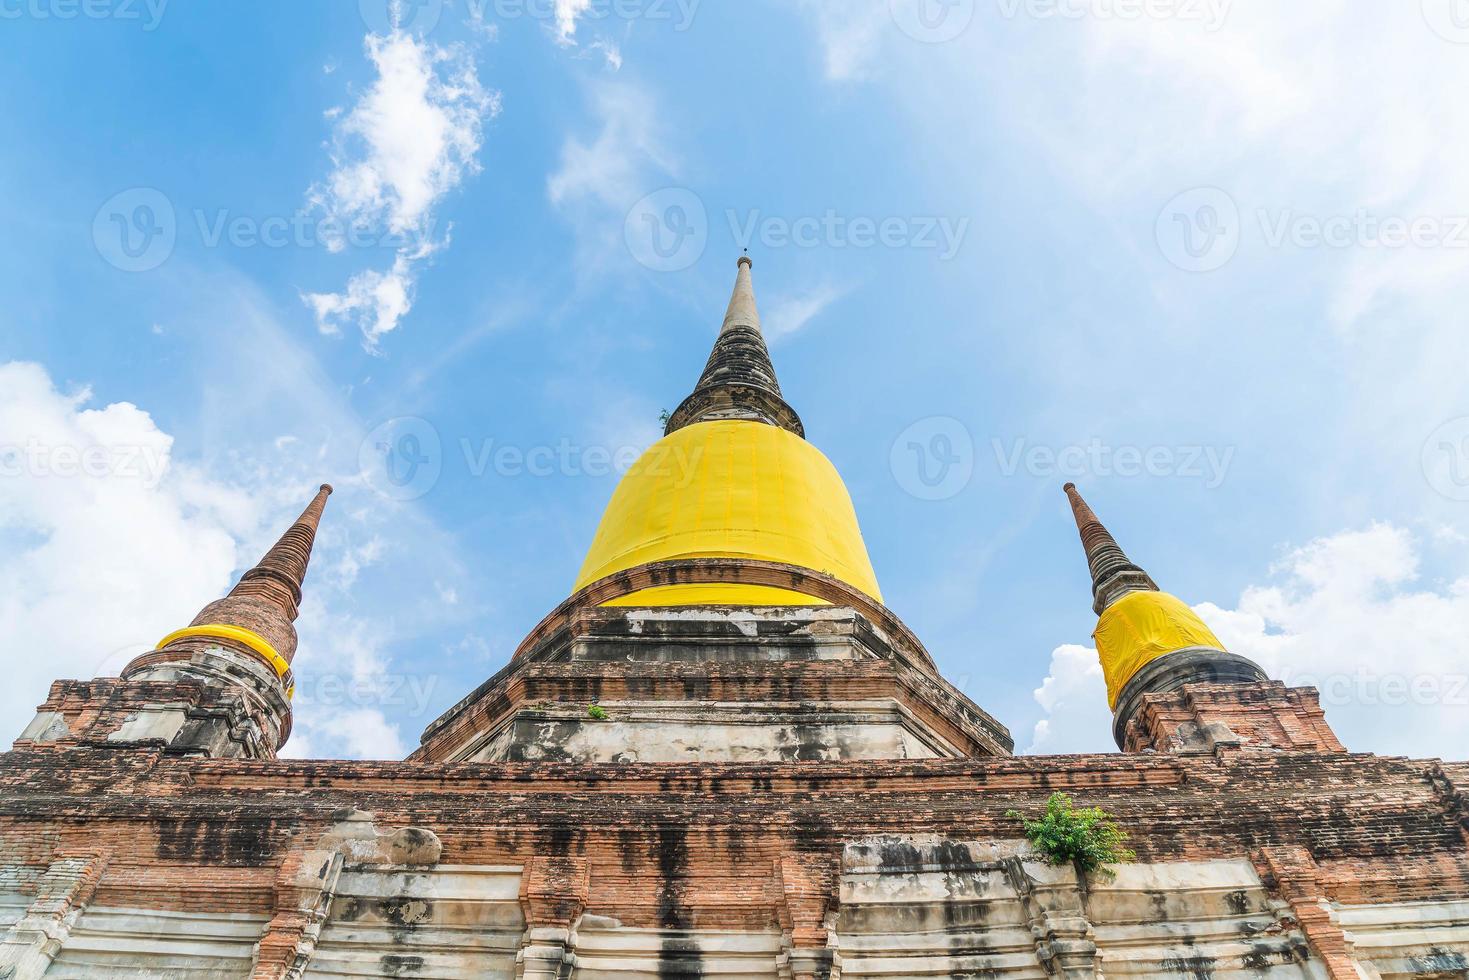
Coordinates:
[754,848]
[702,842]
[1199,716]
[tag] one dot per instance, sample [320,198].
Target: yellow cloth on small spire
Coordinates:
[731,489]
[1141,627]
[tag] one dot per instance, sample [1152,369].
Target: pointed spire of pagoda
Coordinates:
[739,380]
[742,311]
[247,640]
[1113,573]
[1151,644]
[279,575]
[268,597]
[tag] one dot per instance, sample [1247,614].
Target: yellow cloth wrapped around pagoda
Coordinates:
[730,489]
[1141,627]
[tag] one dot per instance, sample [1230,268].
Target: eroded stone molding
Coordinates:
[1291,873]
[807,897]
[553,896]
[62,894]
[307,885]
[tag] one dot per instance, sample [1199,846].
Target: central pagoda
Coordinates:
[727,610]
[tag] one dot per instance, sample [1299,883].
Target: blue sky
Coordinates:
[1206,258]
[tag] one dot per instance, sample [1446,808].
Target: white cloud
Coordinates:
[94,569]
[567,11]
[851,33]
[375,301]
[1319,109]
[1074,697]
[612,170]
[786,315]
[110,543]
[410,140]
[1348,615]
[343,685]
[611,53]
[598,180]
[98,561]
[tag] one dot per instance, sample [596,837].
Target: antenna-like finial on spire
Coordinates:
[1113,574]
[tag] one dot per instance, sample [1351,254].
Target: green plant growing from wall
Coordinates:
[597,713]
[1087,837]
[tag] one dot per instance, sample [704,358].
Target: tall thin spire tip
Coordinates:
[1113,573]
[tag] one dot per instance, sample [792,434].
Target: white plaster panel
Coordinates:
[135,943]
[447,923]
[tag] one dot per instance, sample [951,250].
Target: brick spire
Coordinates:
[245,642]
[1113,573]
[279,575]
[739,379]
[1153,646]
[268,596]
